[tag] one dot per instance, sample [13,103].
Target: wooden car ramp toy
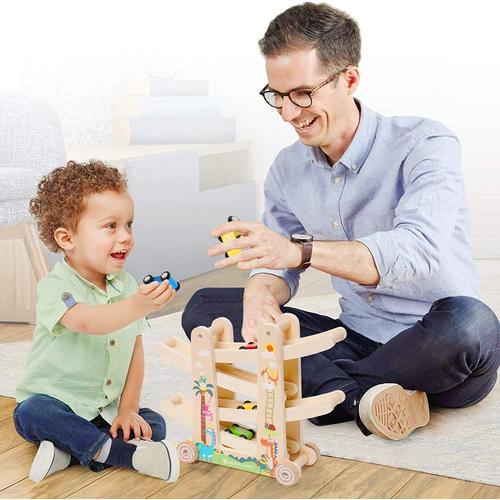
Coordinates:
[276,448]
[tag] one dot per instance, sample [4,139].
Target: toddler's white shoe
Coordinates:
[392,412]
[48,459]
[157,459]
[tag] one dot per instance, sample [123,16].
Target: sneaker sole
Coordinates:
[42,462]
[175,466]
[391,412]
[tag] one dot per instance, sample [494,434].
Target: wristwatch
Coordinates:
[306,242]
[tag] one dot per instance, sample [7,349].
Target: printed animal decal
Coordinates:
[206,452]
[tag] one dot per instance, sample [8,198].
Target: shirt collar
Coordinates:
[114,285]
[361,145]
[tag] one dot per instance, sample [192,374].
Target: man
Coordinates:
[378,203]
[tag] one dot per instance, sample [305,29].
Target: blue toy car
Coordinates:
[163,276]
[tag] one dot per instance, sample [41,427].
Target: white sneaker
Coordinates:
[48,459]
[392,412]
[157,459]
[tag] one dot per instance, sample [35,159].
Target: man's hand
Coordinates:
[260,247]
[129,420]
[256,311]
[154,296]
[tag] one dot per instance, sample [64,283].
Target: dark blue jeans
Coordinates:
[452,353]
[42,417]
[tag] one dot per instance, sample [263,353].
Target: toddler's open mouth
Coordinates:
[119,255]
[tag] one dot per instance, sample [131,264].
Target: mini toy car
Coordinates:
[237,430]
[247,405]
[249,345]
[232,235]
[162,277]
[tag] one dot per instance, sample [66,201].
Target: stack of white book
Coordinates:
[172,111]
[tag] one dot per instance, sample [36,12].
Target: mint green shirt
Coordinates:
[87,372]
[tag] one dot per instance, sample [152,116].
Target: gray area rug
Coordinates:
[463,443]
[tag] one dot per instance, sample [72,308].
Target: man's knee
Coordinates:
[472,322]
[209,303]
[194,313]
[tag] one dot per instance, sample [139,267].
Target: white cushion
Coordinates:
[18,183]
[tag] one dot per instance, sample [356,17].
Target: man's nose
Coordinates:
[289,110]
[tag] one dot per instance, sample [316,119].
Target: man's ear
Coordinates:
[352,79]
[64,238]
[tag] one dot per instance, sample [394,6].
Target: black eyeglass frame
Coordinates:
[306,91]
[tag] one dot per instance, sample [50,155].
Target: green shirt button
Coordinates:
[112,342]
[108,382]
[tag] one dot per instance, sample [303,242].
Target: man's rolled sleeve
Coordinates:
[425,216]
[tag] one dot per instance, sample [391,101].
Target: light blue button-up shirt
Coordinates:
[398,189]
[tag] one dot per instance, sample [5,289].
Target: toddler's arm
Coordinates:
[128,418]
[107,318]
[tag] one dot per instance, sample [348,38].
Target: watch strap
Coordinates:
[307,248]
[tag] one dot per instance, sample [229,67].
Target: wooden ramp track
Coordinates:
[230,352]
[180,408]
[228,377]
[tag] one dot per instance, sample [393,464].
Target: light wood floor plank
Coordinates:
[207,481]
[363,480]
[312,480]
[488,491]
[7,406]
[9,436]
[125,483]
[15,464]
[431,486]
[58,485]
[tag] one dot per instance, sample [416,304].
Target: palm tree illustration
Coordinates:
[201,387]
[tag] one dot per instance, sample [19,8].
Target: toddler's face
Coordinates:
[103,238]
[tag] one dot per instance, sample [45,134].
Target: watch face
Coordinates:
[301,237]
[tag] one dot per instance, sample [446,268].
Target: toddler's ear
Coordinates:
[64,238]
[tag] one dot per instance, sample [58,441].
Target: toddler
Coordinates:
[80,394]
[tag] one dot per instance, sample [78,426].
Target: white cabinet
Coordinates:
[180,193]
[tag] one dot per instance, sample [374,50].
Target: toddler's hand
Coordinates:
[130,421]
[154,296]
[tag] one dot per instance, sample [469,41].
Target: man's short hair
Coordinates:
[61,196]
[331,31]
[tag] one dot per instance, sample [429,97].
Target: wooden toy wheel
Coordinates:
[313,453]
[288,473]
[187,452]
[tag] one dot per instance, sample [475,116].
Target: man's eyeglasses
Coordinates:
[300,97]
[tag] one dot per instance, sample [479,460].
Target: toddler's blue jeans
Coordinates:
[452,353]
[43,417]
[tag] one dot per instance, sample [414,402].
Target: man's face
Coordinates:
[316,125]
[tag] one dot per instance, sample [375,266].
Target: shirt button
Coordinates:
[370,298]
[335,224]
[337,179]
[354,166]
[112,342]
[108,382]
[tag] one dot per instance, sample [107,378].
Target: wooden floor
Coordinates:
[329,478]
